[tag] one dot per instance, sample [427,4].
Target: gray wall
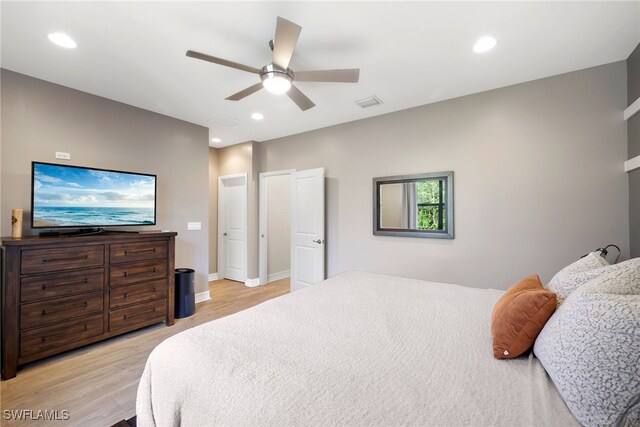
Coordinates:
[240,159]
[391,206]
[278,189]
[39,118]
[633,127]
[538,179]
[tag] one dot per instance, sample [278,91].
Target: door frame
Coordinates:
[262,213]
[221,204]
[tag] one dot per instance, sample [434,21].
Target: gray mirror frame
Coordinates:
[445,234]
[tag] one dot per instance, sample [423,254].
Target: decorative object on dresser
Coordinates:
[16,222]
[60,293]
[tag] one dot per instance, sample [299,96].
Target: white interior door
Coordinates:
[232,227]
[307,228]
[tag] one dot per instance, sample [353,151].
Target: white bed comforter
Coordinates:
[357,349]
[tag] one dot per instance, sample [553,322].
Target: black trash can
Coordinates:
[185,294]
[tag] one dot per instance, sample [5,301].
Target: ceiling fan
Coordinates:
[277,77]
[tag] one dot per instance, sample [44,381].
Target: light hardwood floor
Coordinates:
[97,384]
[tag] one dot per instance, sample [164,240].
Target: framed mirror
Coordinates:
[414,205]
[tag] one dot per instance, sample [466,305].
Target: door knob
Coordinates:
[318,241]
[224,234]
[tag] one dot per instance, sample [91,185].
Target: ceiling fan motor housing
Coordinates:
[273,71]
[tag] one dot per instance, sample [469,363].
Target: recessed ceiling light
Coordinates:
[257,116]
[484,44]
[61,39]
[216,140]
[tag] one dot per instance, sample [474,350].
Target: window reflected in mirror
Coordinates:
[414,205]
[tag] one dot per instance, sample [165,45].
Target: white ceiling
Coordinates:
[409,53]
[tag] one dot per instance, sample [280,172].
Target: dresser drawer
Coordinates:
[137,293]
[138,315]
[42,339]
[60,309]
[139,251]
[58,259]
[137,272]
[37,288]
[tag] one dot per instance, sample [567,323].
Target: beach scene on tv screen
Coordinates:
[68,196]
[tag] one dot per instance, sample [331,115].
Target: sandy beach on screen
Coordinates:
[43,223]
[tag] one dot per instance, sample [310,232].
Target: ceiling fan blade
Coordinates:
[209,58]
[287,34]
[245,92]
[300,98]
[351,75]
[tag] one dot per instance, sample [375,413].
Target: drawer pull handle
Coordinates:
[46,285]
[47,260]
[139,251]
[81,304]
[126,316]
[126,274]
[124,296]
[85,327]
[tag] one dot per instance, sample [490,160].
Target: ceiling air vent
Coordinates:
[369,102]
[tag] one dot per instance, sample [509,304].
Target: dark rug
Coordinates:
[131,422]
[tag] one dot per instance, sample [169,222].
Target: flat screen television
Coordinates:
[65,196]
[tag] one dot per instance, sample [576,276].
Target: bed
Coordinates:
[357,349]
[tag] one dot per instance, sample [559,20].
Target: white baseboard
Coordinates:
[632,164]
[632,109]
[252,282]
[203,296]
[278,276]
[213,276]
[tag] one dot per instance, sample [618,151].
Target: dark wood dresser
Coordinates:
[60,293]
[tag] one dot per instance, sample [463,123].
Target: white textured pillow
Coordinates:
[591,348]
[575,275]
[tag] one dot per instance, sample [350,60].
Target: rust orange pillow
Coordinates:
[519,316]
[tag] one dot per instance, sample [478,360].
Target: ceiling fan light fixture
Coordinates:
[276,83]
